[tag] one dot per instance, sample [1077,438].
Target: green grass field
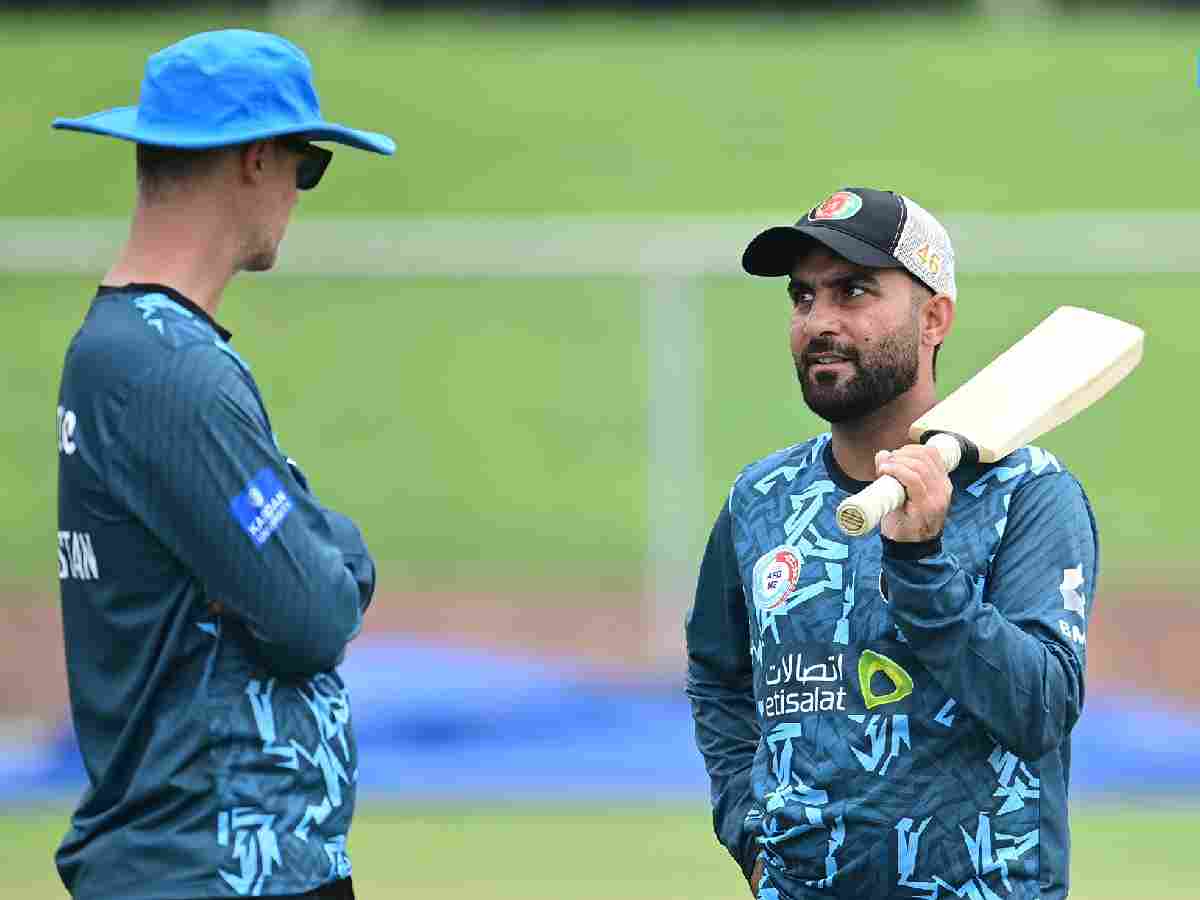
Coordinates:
[630,852]
[505,421]
[708,113]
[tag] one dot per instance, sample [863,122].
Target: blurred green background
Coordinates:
[499,426]
[503,421]
[494,431]
[699,113]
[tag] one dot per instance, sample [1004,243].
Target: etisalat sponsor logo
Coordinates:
[793,687]
[821,686]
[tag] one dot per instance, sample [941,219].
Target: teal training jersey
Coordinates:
[890,720]
[218,748]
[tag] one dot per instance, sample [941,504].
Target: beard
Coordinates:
[889,371]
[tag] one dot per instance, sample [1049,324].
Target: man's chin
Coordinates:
[837,415]
[262,263]
[831,403]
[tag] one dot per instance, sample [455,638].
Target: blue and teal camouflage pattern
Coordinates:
[219,748]
[892,720]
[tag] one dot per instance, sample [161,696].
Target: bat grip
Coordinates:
[862,512]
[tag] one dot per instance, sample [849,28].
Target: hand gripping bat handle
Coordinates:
[860,513]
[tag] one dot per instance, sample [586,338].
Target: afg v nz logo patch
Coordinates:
[775,577]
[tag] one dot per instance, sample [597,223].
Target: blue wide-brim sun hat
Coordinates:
[222,88]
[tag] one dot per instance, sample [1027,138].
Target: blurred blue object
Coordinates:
[435,721]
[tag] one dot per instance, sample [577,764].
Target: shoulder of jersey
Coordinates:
[1007,473]
[125,335]
[146,325]
[786,464]
[172,323]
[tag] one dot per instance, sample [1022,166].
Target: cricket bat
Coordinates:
[1068,362]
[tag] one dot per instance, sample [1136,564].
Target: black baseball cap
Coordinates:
[880,229]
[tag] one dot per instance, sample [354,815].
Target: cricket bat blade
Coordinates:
[1069,361]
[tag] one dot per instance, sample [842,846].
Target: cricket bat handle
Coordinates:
[861,513]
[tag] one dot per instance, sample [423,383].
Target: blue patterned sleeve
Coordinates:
[199,466]
[720,685]
[1009,647]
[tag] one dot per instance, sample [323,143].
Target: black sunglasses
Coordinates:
[313,163]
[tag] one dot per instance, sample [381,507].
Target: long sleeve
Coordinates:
[198,465]
[348,538]
[1009,647]
[721,688]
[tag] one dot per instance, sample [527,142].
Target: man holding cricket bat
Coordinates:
[888,716]
[207,594]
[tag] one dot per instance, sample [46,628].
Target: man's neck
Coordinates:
[856,443]
[189,249]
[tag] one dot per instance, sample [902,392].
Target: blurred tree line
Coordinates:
[772,6]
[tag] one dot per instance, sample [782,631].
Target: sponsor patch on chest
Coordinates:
[818,677]
[808,681]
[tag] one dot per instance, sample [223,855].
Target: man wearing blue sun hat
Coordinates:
[207,595]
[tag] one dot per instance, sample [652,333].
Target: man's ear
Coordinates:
[937,317]
[253,161]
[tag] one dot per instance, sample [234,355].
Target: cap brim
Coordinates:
[351,137]
[775,251]
[122,123]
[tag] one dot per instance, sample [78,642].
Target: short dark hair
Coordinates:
[158,168]
[920,293]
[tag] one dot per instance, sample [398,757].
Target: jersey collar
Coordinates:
[840,478]
[147,288]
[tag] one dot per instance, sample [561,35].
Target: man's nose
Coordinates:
[821,318]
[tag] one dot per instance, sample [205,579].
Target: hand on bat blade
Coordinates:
[920,470]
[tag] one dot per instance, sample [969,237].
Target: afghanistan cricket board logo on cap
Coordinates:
[841,205]
[775,577]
